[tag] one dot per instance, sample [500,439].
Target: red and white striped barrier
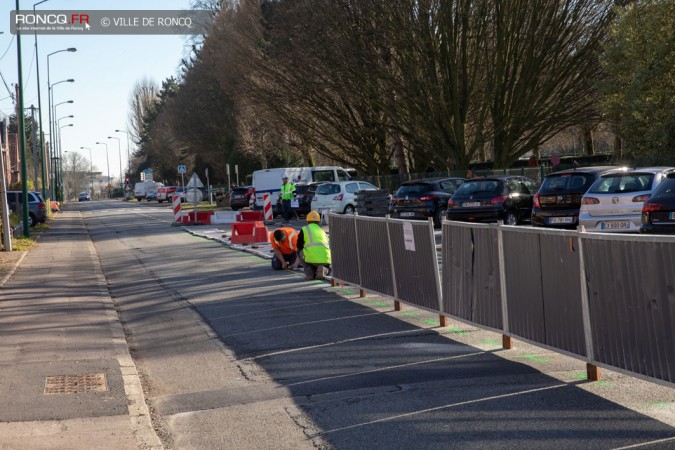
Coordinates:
[267,208]
[177,213]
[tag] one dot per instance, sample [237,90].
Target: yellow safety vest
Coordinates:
[316,249]
[287,191]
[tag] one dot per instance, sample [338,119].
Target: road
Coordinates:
[235,355]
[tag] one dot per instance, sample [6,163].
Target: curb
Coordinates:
[13,269]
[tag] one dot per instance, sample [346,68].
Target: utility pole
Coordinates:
[35,149]
[4,212]
[22,130]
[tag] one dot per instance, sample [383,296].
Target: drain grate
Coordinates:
[75,384]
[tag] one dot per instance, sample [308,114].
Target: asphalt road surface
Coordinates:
[235,355]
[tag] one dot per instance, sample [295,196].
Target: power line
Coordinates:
[8,47]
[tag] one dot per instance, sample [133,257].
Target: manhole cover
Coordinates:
[74,384]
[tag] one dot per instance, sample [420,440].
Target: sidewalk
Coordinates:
[66,377]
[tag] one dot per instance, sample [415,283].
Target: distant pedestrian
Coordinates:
[284,243]
[287,196]
[313,243]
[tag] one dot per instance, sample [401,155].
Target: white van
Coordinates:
[268,181]
[142,188]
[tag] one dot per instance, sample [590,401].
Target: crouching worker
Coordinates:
[284,243]
[313,243]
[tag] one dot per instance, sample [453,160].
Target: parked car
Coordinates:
[658,211]
[558,200]
[84,196]
[614,202]
[151,195]
[339,196]
[240,197]
[36,206]
[489,199]
[304,195]
[421,199]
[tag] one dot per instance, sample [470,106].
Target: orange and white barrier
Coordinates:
[177,213]
[267,208]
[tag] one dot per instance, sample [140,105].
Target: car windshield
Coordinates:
[574,182]
[418,188]
[480,187]
[328,189]
[618,183]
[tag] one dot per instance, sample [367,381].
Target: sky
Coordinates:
[105,69]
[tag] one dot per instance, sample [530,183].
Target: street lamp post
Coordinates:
[42,138]
[128,151]
[91,169]
[60,168]
[22,136]
[108,164]
[119,149]
[52,116]
[49,98]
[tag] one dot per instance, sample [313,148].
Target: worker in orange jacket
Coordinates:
[284,243]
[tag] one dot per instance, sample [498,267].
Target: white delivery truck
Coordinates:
[142,188]
[268,181]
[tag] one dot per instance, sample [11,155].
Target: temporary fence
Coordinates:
[608,300]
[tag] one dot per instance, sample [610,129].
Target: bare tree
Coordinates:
[141,100]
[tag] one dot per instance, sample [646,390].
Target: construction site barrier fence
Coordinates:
[606,299]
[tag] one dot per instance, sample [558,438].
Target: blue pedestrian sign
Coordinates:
[181,169]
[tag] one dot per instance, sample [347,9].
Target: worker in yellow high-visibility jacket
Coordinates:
[287,196]
[313,243]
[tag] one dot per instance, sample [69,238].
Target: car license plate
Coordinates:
[614,225]
[672,216]
[407,214]
[470,204]
[561,220]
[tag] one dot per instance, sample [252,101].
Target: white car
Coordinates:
[339,197]
[614,201]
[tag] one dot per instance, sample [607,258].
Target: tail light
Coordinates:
[590,201]
[425,198]
[41,205]
[498,200]
[451,202]
[248,192]
[536,201]
[648,207]
[339,197]
[641,198]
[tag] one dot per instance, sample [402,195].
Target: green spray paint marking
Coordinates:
[317,281]
[581,376]
[457,331]
[431,322]
[534,358]
[346,292]
[660,405]
[410,314]
[604,383]
[381,304]
[489,342]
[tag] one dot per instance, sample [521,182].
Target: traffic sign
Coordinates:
[181,169]
[195,182]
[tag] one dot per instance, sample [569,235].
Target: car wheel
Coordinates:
[234,208]
[511,218]
[349,209]
[438,216]
[31,220]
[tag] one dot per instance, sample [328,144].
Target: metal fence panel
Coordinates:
[471,286]
[561,289]
[342,239]
[544,287]
[523,285]
[416,270]
[374,257]
[631,290]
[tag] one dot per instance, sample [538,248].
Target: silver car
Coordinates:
[614,201]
